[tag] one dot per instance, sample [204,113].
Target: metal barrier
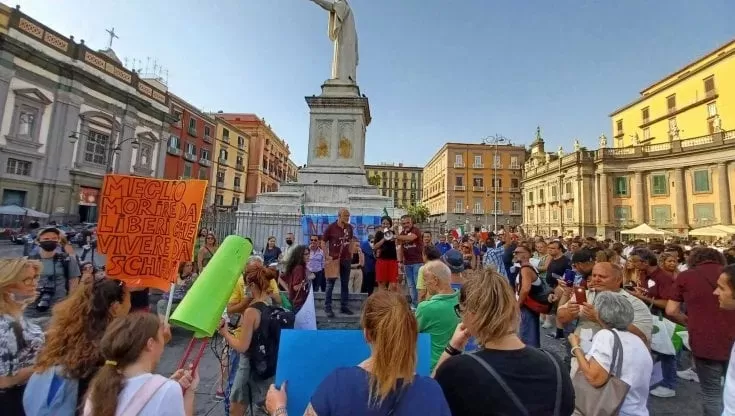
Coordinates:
[220,223]
[259,226]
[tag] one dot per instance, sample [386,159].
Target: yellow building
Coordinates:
[229,176]
[478,184]
[695,101]
[402,183]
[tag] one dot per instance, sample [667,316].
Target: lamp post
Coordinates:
[110,150]
[495,140]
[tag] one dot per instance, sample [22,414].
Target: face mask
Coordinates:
[21,299]
[48,245]
[289,242]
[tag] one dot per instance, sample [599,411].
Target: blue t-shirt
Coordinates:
[346,391]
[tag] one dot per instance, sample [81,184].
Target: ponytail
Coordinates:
[392,331]
[106,388]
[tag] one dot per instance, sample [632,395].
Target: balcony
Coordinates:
[207,138]
[459,165]
[514,189]
[240,167]
[222,160]
[174,151]
[456,187]
[553,198]
[529,203]
[497,189]
[241,145]
[220,183]
[458,210]
[226,139]
[497,166]
[567,196]
[710,93]
[205,162]
[671,109]
[478,188]
[191,157]
[515,166]
[540,201]
[478,211]
[478,166]
[192,131]
[515,212]
[497,212]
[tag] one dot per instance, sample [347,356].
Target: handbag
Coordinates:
[607,399]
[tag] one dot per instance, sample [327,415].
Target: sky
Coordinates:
[434,71]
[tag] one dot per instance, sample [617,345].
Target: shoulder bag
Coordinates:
[607,399]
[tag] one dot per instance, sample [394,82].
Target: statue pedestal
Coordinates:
[335,173]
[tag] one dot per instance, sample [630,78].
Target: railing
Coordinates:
[458,211]
[478,211]
[205,162]
[515,165]
[514,189]
[190,157]
[660,147]
[207,138]
[553,198]
[240,167]
[223,160]
[193,132]
[697,141]
[174,151]
[515,212]
[456,187]
[497,189]
[567,196]
[478,188]
[478,166]
[540,200]
[497,212]
[458,165]
[529,202]
[226,139]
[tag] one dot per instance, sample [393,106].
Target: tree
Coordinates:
[418,212]
[375,180]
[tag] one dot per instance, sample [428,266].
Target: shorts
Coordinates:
[247,389]
[386,271]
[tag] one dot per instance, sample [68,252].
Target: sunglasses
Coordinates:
[458,310]
[314,240]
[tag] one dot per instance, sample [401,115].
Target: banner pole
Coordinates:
[170,301]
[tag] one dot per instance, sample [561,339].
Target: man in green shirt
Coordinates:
[436,316]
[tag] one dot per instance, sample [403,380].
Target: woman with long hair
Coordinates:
[386,382]
[186,279]
[528,285]
[533,377]
[669,262]
[299,287]
[73,337]
[271,253]
[206,252]
[386,263]
[132,347]
[20,340]
[88,271]
[248,389]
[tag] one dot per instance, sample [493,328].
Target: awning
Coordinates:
[21,211]
[645,230]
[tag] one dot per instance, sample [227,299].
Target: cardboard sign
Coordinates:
[317,224]
[147,226]
[305,358]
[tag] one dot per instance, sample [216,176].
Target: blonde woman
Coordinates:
[507,377]
[669,262]
[20,340]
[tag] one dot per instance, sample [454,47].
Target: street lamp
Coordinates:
[109,148]
[495,140]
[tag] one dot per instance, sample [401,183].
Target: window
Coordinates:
[478,205]
[18,167]
[207,131]
[497,183]
[203,174]
[498,204]
[223,154]
[701,181]
[712,109]
[659,184]
[220,176]
[26,121]
[554,215]
[661,214]
[204,154]
[570,214]
[458,181]
[191,149]
[240,141]
[704,212]
[95,148]
[514,183]
[515,206]
[646,134]
[235,201]
[225,135]
[174,142]
[478,161]
[568,187]
[236,182]
[644,115]
[709,86]
[621,186]
[220,199]
[458,205]
[541,194]
[477,182]
[458,159]
[514,162]
[671,103]
[192,125]
[622,212]
[187,170]
[239,161]
[530,196]
[496,161]
[619,126]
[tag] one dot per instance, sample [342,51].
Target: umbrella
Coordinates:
[16,210]
[713,231]
[645,229]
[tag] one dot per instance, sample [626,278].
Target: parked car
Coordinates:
[68,231]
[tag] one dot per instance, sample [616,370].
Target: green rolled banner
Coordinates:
[202,307]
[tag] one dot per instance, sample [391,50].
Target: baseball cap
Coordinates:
[49,229]
[583,256]
[453,258]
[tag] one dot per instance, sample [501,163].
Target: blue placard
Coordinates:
[305,358]
[316,224]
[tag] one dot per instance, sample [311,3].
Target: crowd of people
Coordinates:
[74,342]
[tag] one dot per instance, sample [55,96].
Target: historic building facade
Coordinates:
[474,184]
[190,149]
[402,183]
[227,187]
[69,115]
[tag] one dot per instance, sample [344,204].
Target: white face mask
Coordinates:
[21,299]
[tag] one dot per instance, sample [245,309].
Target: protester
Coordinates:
[615,315]
[272,252]
[336,239]
[20,340]
[453,258]
[88,271]
[430,253]
[386,382]
[183,284]
[368,272]
[725,293]
[206,252]
[386,266]
[132,347]
[315,264]
[72,341]
[411,245]
[529,288]
[356,266]
[299,287]
[443,245]
[436,315]
[489,312]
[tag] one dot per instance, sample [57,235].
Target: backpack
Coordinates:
[59,257]
[538,298]
[50,394]
[264,347]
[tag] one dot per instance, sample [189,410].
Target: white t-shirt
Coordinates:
[728,395]
[637,367]
[168,400]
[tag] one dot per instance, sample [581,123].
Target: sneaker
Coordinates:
[549,322]
[219,395]
[346,311]
[329,312]
[688,374]
[663,392]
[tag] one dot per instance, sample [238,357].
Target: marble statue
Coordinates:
[636,140]
[717,123]
[603,141]
[560,152]
[577,146]
[675,134]
[342,32]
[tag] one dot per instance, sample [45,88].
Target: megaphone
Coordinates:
[201,309]
[388,234]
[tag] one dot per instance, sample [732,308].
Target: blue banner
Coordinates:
[316,224]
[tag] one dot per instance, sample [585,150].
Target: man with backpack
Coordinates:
[59,276]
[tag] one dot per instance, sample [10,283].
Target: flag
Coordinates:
[458,232]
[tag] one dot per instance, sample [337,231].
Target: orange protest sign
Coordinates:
[147,226]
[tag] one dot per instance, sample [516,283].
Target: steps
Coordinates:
[340,321]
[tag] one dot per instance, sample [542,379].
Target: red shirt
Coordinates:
[338,241]
[711,329]
[663,281]
[413,250]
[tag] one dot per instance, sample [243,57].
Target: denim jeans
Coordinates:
[345,267]
[530,330]
[710,374]
[412,275]
[320,281]
[668,371]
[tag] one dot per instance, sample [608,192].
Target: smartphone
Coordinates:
[569,277]
[580,295]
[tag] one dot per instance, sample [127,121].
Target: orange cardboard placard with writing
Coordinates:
[147,227]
